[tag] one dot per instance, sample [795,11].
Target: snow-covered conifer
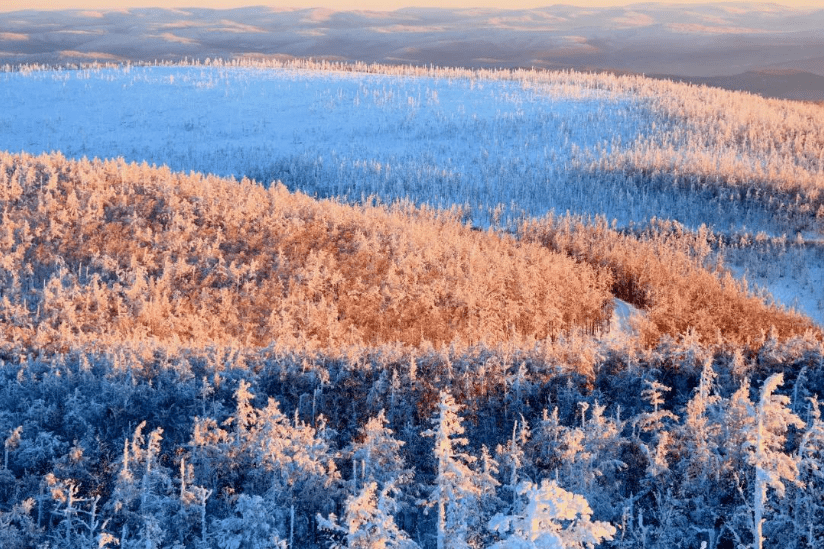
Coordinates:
[368,522]
[377,456]
[141,500]
[698,435]
[654,421]
[296,461]
[512,456]
[809,501]
[17,529]
[766,441]
[11,442]
[251,526]
[552,519]
[455,490]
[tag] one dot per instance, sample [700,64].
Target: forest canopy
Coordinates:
[106,252]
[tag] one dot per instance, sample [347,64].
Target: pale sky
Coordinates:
[14,5]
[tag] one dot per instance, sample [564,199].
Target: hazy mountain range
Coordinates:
[763,48]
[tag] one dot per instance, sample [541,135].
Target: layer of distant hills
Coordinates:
[762,48]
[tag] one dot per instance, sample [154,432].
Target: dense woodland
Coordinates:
[190,361]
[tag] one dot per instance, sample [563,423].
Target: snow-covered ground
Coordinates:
[792,274]
[443,141]
[621,322]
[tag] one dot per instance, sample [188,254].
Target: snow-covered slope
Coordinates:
[437,140]
[621,322]
[502,145]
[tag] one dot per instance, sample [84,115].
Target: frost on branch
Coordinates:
[552,519]
[772,466]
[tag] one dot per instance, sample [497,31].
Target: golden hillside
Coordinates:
[97,250]
[110,252]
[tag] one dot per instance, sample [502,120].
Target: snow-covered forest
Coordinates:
[482,309]
[503,145]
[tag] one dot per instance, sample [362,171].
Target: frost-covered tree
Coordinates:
[698,434]
[511,456]
[368,522]
[766,441]
[141,501]
[297,462]
[809,502]
[519,389]
[376,457]
[80,523]
[544,449]
[251,526]
[288,462]
[552,519]
[653,422]
[17,529]
[697,443]
[11,442]
[455,490]
[193,497]
[654,438]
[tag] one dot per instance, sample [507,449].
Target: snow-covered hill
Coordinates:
[502,145]
[440,140]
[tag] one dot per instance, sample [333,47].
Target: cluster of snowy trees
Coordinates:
[743,153]
[675,275]
[680,445]
[99,252]
[173,373]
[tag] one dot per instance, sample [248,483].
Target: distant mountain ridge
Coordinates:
[733,46]
[784,83]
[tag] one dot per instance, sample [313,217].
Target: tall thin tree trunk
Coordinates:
[182,479]
[292,526]
[441,522]
[760,488]
[513,477]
